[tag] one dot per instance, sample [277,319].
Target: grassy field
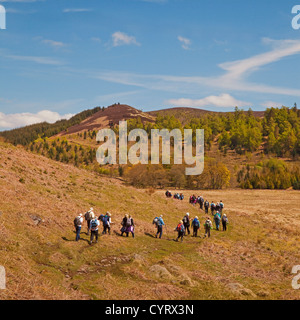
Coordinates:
[40,199]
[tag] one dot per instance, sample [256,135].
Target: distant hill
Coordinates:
[184,114]
[98,118]
[110,115]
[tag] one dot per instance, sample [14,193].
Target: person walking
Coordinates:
[224,222]
[94,229]
[206,206]
[221,206]
[78,221]
[159,224]
[106,221]
[207,227]
[131,228]
[217,219]
[212,208]
[123,223]
[181,230]
[186,223]
[196,226]
[88,217]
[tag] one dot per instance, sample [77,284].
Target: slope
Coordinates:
[40,198]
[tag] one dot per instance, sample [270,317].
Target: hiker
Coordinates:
[78,221]
[186,223]
[218,207]
[168,194]
[125,222]
[131,228]
[159,222]
[196,226]
[207,227]
[106,221]
[128,225]
[206,206]
[217,219]
[221,206]
[181,197]
[88,217]
[212,208]
[94,229]
[224,222]
[201,202]
[181,230]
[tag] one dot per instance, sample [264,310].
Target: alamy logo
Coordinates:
[2,278]
[2,17]
[185,146]
[296,19]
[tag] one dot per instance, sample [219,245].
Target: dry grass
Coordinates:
[43,261]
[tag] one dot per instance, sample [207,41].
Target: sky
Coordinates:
[60,57]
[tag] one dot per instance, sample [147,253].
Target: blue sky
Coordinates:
[59,57]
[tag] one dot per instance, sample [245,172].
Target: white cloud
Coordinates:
[222,101]
[54,44]
[121,38]
[11,121]
[35,59]
[185,42]
[68,10]
[271,104]
[234,78]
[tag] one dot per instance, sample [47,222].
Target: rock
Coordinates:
[239,289]
[138,257]
[186,280]
[36,219]
[160,272]
[263,293]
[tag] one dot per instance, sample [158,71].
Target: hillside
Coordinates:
[110,115]
[40,198]
[185,114]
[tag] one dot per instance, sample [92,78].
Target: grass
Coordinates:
[44,262]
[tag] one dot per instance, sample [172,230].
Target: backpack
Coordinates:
[105,221]
[77,222]
[87,216]
[207,224]
[217,217]
[224,219]
[101,217]
[155,221]
[185,220]
[196,223]
[180,228]
[128,222]
[94,225]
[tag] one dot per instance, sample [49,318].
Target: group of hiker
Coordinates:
[205,205]
[183,227]
[93,224]
[178,196]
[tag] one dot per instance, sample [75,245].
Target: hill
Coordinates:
[109,116]
[185,114]
[41,197]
